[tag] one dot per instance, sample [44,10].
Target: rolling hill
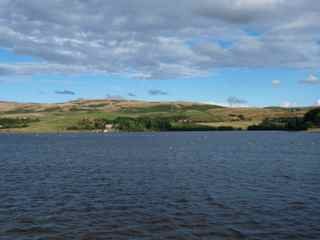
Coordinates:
[60,117]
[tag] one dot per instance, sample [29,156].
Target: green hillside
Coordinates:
[93,115]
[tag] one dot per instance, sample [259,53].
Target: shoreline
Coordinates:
[3,132]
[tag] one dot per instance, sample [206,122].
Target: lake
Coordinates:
[210,185]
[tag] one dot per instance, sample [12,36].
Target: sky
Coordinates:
[228,52]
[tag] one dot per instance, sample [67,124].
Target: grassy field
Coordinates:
[238,124]
[60,117]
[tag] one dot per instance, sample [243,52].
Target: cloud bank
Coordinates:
[114,97]
[65,92]
[276,83]
[157,92]
[235,101]
[159,39]
[312,79]
[288,104]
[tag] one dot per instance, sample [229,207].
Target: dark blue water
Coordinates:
[160,186]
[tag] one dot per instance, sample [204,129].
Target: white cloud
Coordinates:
[159,39]
[288,104]
[222,104]
[276,82]
[318,103]
[45,68]
[312,79]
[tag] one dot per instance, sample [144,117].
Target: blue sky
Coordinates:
[252,85]
[149,51]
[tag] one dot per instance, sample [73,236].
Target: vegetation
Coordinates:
[142,124]
[6,123]
[170,107]
[310,120]
[126,124]
[100,115]
[197,127]
[19,111]
[90,124]
[281,124]
[313,117]
[129,124]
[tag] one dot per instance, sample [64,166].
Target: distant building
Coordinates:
[185,121]
[108,128]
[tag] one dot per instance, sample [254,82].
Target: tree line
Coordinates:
[6,123]
[310,120]
[139,124]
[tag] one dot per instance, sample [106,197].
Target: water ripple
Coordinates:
[160,186]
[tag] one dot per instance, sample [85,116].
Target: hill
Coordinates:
[66,116]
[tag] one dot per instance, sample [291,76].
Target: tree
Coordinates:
[313,117]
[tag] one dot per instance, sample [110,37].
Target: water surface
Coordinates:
[220,185]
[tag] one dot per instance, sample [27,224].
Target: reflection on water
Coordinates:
[160,186]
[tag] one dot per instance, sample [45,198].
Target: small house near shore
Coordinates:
[108,128]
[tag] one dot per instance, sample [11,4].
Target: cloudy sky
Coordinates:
[236,52]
